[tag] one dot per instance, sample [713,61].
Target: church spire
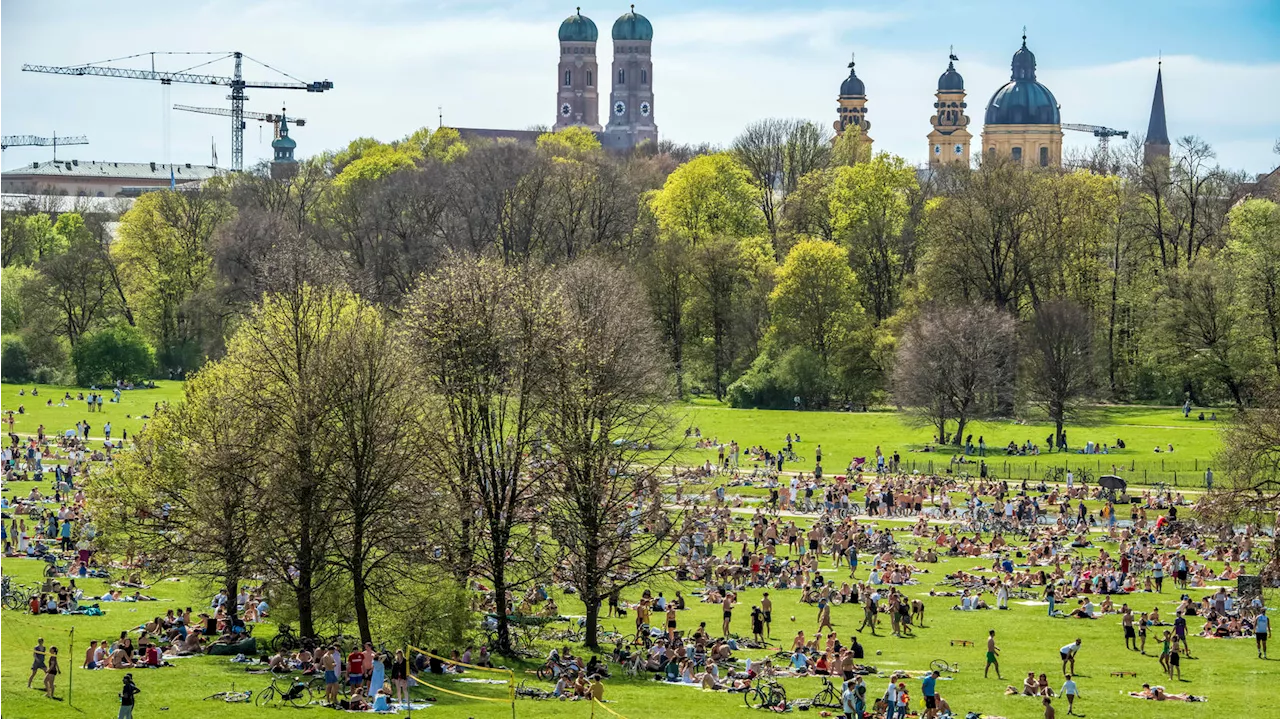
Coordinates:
[1157,142]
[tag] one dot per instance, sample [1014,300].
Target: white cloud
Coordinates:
[714,72]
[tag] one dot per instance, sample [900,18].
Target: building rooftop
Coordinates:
[182,172]
[480,133]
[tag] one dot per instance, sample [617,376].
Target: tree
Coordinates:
[1254,256]
[15,361]
[606,411]
[113,354]
[480,332]
[1185,201]
[955,364]
[376,434]
[814,303]
[1202,318]
[778,153]
[1059,352]
[182,496]
[870,203]
[75,282]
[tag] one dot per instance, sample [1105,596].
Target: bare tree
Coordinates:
[1058,347]
[481,331]
[606,412]
[777,153]
[955,364]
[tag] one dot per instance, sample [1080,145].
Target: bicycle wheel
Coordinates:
[265,697]
[777,698]
[756,698]
[546,673]
[939,665]
[300,695]
[826,697]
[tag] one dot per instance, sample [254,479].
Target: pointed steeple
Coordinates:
[1157,142]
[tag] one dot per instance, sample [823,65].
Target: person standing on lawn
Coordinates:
[1068,654]
[51,674]
[992,652]
[928,688]
[1261,627]
[128,692]
[766,607]
[1130,635]
[37,661]
[1070,691]
[1048,709]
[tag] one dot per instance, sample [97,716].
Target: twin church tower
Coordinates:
[630,109]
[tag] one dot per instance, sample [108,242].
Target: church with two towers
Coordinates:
[630,112]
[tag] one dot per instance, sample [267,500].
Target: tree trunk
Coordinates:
[500,604]
[591,629]
[233,588]
[361,603]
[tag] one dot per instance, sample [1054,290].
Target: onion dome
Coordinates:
[852,85]
[578,28]
[950,81]
[1023,101]
[632,26]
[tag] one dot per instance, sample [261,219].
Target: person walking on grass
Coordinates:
[128,692]
[992,653]
[1048,709]
[1261,626]
[1068,654]
[929,688]
[37,661]
[1070,691]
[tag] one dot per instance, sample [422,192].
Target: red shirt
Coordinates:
[355,663]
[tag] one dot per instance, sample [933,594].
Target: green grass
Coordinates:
[1226,671]
[844,435]
[56,420]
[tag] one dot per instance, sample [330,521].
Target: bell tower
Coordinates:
[577,100]
[852,105]
[630,108]
[949,141]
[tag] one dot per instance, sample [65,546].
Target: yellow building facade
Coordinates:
[950,138]
[1023,122]
[852,106]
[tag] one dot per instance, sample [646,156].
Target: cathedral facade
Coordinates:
[630,112]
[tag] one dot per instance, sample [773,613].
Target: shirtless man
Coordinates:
[766,606]
[330,676]
[727,606]
[1130,635]
[1048,709]
[992,652]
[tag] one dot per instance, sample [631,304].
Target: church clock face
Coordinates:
[644,109]
[619,108]
[937,149]
[959,149]
[565,110]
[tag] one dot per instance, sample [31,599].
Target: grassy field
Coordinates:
[127,414]
[1225,671]
[844,435]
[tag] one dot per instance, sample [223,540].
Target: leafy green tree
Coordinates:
[15,361]
[870,202]
[75,284]
[1253,255]
[15,281]
[778,153]
[814,303]
[1209,338]
[709,196]
[112,354]
[570,142]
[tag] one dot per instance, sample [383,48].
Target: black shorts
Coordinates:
[671,624]
[1129,633]
[1065,656]
[768,617]
[1260,636]
[727,615]
[1174,659]
[813,545]
[931,702]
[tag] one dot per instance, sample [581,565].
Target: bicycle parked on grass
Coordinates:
[232,696]
[766,693]
[827,696]
[943,667]
[18,597]
[294,692]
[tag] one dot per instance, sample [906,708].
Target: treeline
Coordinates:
[784,270]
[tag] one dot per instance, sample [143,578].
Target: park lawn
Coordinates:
[127,415]
[1226,671]
[844,435]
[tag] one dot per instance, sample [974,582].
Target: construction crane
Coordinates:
[272,118]
[1104,134]
[236,82]
[32,141]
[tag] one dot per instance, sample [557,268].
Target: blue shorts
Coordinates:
[330,677]
[355,679]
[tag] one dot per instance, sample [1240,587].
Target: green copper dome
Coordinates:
[578,28]
[632,26]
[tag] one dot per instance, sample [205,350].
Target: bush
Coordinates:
[115,353]
[45,374]
[15,361]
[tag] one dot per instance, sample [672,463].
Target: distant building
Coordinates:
[949,141]
[851,106]
[1156,144]
[283,166]
[1023,121]
[100,179]
[631,101]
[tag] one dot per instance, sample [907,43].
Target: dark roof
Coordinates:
[121,170]
[632,26]
[1157,131]
[852,85]
[578,28]
[1022,100]
[951,80]
[479,133]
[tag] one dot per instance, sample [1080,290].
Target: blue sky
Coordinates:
[718,65]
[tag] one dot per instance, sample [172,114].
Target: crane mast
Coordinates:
[236,82]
